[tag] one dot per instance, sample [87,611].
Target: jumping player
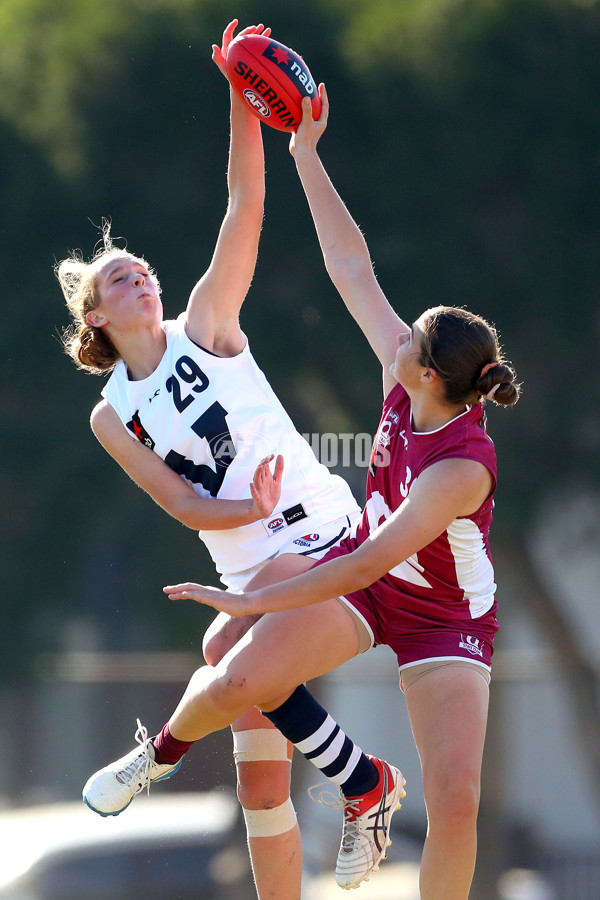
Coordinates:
[192,420]
[416,573]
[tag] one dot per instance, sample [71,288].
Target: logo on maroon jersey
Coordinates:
[139,431]
[380,455]
[386,430]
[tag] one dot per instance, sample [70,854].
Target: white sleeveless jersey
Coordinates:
[212,420]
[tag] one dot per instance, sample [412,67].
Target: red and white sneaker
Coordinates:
[366,828]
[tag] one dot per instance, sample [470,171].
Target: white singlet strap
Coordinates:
[258,744]
[269,822]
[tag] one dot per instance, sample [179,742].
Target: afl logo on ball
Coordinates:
[257,103]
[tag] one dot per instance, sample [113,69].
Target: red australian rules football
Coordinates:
[271,79]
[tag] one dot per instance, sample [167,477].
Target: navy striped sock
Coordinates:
[320,739]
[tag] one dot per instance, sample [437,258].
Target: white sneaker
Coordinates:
[366,828]
[110,790]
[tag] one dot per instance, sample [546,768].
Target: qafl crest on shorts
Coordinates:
[472,644]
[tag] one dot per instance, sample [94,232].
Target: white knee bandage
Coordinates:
[257,744]
[269,822]
[260,745]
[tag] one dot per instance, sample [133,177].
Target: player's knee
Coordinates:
[456,803]
[263,786]
[214,647]
[263,770]
[232,692]
[222,635]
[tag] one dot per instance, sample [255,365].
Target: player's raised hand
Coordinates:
[266,486]
[310,130]
[219,53]
[235,605]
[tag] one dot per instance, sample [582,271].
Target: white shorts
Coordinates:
[315,545]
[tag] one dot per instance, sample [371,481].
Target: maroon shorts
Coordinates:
[417,635]
[415,639]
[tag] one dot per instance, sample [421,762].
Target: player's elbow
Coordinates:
[187,514]
[368,565]
[248,203]
[348,271]
[364,572]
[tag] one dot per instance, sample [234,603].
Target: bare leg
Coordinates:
[263,788]
[264,784]
[281,651]
[267,667]
[448,712]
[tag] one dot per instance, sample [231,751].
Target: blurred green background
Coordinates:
[464,136]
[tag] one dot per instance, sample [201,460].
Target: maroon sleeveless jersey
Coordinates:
[450,582]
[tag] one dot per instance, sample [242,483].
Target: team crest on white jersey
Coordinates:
[136,427]
[472,644]
[306,540]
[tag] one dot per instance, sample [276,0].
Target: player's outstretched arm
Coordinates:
[215,302]
[444,491]
[345,251]
[175,495]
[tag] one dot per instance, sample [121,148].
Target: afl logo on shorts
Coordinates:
[274,525]
[257,103]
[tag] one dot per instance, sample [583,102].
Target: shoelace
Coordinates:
[337,801]
[328,798]
[135,767]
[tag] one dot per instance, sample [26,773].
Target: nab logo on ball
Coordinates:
[293,66]
[257,103]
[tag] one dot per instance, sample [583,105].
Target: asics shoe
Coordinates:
[366,828]
[110,790]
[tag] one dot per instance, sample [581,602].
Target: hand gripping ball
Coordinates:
[271,79]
